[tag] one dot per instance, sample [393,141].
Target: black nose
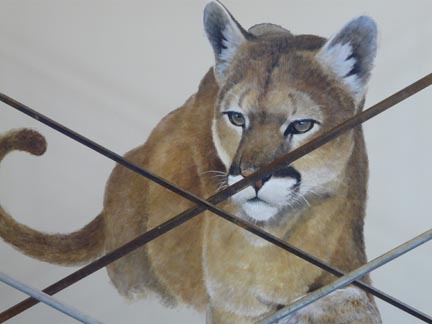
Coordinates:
[258,184]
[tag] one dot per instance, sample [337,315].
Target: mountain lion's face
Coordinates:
[277,92]
[272,105]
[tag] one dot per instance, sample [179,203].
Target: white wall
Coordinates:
[111,69]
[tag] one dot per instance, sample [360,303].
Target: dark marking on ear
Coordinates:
[361,35]
[225,35]
[350,54]
[356,68]
[214,26]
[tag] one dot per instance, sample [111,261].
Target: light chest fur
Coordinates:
[268,93]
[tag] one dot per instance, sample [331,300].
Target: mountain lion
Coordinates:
[268,93]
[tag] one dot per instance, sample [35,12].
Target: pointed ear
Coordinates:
[350,54]
[225,36]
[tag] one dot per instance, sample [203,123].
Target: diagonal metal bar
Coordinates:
[47,299]
[350,277]
[183,217]
[262,172]
[148,236]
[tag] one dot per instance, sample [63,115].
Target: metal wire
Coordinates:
[183,217]
[47,299]
[350,277]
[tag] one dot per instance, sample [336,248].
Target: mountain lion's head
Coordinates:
[279,91]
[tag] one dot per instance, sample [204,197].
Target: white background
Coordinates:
[111,69]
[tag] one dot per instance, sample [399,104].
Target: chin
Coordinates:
[259,211]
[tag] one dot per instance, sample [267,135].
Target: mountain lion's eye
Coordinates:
[300,126]
[236,118]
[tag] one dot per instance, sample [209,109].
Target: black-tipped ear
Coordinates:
[350,54]
[225,36]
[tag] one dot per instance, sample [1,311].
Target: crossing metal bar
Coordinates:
[148,236]
[259,174]
[47,299]
[183,217]
[350,277]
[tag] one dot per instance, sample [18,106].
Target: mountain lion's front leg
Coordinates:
[347,305]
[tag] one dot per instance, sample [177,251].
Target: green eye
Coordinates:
[300,126]
[236,118]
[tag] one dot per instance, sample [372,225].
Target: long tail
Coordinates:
[67,249]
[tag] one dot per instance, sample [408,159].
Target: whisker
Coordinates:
[311,189]
[221,187]
[291,205]
[214,171]
[316,194]
[305,200]
[219,178]
[220,175]
[299,201]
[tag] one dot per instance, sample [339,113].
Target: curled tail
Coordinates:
[66,249]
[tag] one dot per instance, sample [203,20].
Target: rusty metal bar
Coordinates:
[203,205]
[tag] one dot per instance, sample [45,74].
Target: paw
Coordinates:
[347,305]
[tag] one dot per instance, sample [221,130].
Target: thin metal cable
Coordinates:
[47,299]
[349,277]
[183,217]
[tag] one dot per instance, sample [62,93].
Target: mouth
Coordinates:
[256,200]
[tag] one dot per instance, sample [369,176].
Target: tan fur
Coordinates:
[74,248]
[207,262]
